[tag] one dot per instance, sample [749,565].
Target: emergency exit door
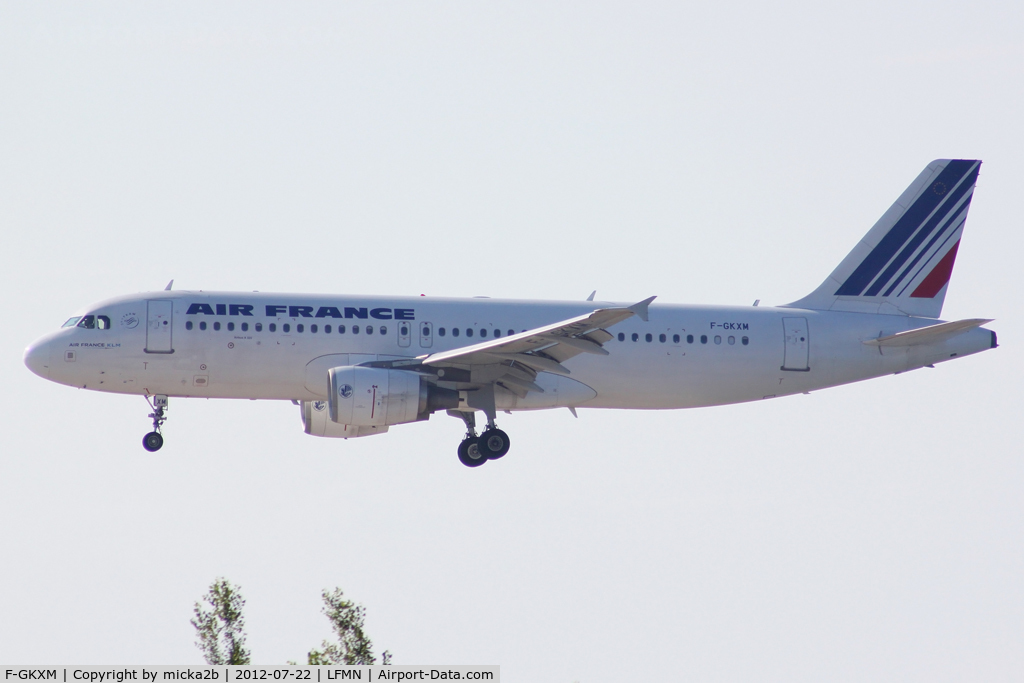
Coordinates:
[404,334]
[158,326]
[426,335]
[798,345]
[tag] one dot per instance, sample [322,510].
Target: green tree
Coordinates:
[353,646]
[220,626]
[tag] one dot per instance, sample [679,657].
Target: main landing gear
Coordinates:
[154,440]
[476,450]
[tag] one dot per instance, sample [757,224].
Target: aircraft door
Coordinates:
[798,345]
[404,333]
[158,326]
[426,335]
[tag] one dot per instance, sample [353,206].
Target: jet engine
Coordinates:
[377,397]
[316,421]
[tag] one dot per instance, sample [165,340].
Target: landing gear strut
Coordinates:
[476,450]
[154,440]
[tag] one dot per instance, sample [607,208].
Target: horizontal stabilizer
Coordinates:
[933,334]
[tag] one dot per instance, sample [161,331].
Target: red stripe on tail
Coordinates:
[939,276]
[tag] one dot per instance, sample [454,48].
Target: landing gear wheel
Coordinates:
[494,443]
[469,453]
[152,442]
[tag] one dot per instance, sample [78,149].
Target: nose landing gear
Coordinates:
[153,441]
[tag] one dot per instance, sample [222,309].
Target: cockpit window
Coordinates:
[92,322]
[72,321]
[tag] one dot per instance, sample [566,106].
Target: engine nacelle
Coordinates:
[376,397]
[317,421]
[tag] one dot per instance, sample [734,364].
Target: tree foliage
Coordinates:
[353,646]
[220,626]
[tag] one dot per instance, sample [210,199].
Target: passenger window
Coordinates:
[403,330]
[231,327]
[718,339]
[313,328]
[88,322]
[483,333]
[273,327]
[469,331]
[245,327]
[497,333]
[662,338]
[300,328]
[689,339]
[675,338]
[649,337]
[511,332]
[71,322]
[703,339]
[102,322]
[188,325]
[732,341]
[455,332]
[369,329]
[202,325]
[341,329]
[440,331]
[286,328]
[355,329]
[327,329]
[622,337]
[216,326]
[383,329]
[259,327]
[745,340]
[636,337]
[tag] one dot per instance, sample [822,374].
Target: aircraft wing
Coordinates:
[515,360]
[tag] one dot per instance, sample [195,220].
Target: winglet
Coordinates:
[592,295]
[169,285]
[640,308]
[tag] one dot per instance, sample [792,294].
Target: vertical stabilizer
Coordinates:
[903,265]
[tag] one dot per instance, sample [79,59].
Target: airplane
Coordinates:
[358,365]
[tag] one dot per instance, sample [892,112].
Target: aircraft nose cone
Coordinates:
[37,359]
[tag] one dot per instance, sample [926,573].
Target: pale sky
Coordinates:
[713,153]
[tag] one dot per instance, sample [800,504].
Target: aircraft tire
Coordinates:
[152,442]
[494,443]
[469,453]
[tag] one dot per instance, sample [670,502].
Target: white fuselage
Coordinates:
[683,357]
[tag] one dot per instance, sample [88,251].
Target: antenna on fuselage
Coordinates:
[169,285]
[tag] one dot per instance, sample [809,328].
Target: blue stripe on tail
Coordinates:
[956,219]
[921,235]
[905,228]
